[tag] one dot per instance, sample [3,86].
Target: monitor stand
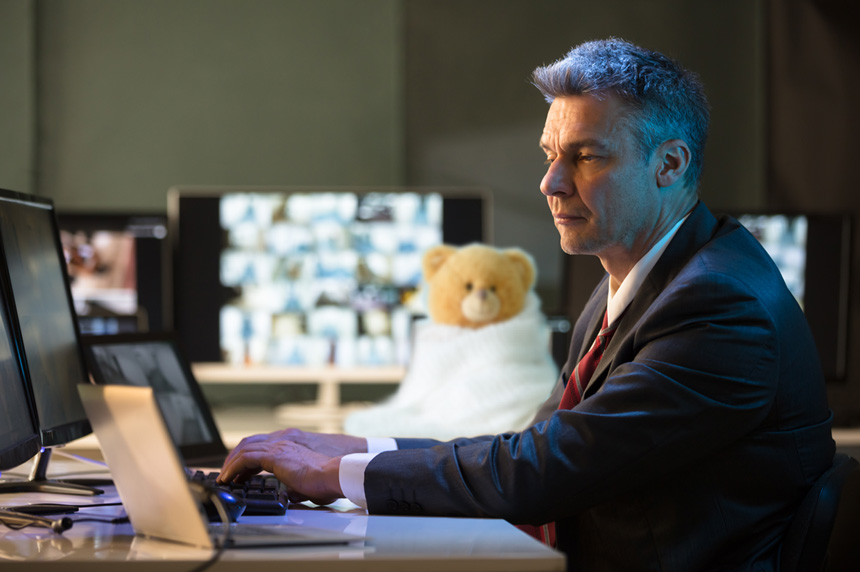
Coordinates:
[39,482]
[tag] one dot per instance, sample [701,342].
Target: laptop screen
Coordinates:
[154,360]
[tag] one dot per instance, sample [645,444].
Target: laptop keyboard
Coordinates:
[262,494]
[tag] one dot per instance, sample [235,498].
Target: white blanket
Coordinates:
[464,382]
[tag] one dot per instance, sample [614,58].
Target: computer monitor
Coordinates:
[19,430]
[308,276]
[44,315]
[115,263]
[813,253]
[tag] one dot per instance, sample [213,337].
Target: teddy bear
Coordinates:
[481,361]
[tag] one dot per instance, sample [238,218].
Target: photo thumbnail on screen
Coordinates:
[323,278]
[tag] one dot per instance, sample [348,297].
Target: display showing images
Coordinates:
[101,270]
[323,278]
[784,238]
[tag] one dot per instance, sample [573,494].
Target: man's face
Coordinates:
[599,188]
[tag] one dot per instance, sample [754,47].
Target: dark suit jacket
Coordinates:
[703,426]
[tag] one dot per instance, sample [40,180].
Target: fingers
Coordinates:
[248,458]
[308,475]
[242,443]
[251,456]
[251,441]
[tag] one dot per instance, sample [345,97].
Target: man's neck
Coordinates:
[621,293]
[619,264]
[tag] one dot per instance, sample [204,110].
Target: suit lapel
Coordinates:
[696,231]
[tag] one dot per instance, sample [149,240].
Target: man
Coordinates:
[705,420]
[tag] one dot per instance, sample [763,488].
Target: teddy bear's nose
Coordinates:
[482,294]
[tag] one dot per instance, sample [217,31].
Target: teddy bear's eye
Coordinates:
[492,288]
[468,286]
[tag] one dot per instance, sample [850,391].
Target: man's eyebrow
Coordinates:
[588,142]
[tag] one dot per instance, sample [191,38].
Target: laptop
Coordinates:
[155,360]
[152,483]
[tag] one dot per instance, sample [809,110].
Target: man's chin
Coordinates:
[573,246]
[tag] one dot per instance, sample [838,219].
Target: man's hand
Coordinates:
[329,444]
[308,463]
[308,475]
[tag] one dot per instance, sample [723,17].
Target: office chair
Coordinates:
[804,548]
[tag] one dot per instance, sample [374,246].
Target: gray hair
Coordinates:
[665,101]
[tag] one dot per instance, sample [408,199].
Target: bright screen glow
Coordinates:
[323,278]
[104,255]
[101,271]
[784,238]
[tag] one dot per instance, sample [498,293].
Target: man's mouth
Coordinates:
[564,218]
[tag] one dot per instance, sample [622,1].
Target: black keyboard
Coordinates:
[262,494]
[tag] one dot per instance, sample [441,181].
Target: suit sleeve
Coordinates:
[690,379]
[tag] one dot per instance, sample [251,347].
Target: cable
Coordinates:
[54,508]
[117,520]
[99,504]
[225,537]
[19,520]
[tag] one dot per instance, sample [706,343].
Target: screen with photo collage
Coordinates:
[311,278]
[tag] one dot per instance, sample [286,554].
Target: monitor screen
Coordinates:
[308,276]
[155,360]
[115,266]
[19,433]
[45,316]
[812,252]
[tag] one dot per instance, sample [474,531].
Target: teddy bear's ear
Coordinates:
[434,258]
[524,263]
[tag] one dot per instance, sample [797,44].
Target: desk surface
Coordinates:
[395,543]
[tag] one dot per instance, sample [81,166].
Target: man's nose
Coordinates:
[556,181]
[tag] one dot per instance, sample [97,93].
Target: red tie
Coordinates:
[583,371]
[576,384]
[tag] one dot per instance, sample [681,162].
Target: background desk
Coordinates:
[327,412]
[397,543]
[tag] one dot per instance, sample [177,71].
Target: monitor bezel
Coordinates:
[66,432]
[24,449]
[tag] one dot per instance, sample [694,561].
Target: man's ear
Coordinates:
[674,158]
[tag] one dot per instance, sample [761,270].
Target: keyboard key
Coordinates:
[263,495]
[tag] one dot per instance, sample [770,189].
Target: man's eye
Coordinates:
[549,160]
[587,158]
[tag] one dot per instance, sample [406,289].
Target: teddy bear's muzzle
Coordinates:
[480,306]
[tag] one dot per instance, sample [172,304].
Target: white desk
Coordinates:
[397,543]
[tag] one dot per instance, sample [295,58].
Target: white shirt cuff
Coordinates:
[351,476]
[380,444]
[351,470]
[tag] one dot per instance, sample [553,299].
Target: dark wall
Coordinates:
[473,119]
[813,117]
